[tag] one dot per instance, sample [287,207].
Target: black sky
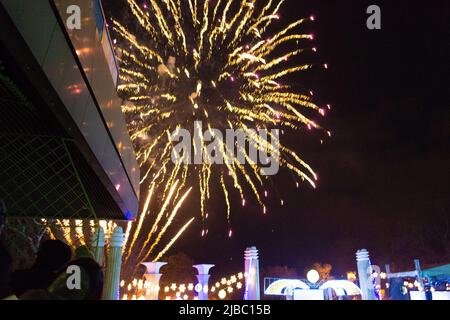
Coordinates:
[384,175]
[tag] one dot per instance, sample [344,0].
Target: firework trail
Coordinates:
[216,62]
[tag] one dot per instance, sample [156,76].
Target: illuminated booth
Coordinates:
[310,289]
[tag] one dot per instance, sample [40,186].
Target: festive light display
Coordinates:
[218,63]
[137,288]
[75,232]
[313,276]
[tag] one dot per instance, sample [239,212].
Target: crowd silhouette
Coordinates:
[49,276]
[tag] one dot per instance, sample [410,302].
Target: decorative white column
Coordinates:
[113,265]
[252,291]
[365,275]
[203,280]
[152,276]
[98,245]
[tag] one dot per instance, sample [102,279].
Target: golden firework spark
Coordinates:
[182,62]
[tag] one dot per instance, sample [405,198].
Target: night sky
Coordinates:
[384,175]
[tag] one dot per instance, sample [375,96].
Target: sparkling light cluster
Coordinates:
[215,61]
[136,289]
[228,285]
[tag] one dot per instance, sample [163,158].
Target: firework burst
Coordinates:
[214,61]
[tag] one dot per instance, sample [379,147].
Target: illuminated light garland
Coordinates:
[234,282]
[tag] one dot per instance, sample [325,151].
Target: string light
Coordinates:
[180,289]
[222,294]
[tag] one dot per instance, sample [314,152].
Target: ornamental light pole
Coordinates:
[153,276]
[365,275]
[252,290]
[113,265]
[203,279]
[98,245]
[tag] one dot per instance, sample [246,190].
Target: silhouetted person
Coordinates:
[5,260]
[5,272]
[51,257]
[83,251]
[91,284]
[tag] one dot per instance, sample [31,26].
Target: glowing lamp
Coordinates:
[222,294]
[198,288]
[313,276]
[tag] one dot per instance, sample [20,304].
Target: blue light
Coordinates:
[128,215]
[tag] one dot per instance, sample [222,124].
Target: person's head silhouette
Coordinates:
[53,255]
